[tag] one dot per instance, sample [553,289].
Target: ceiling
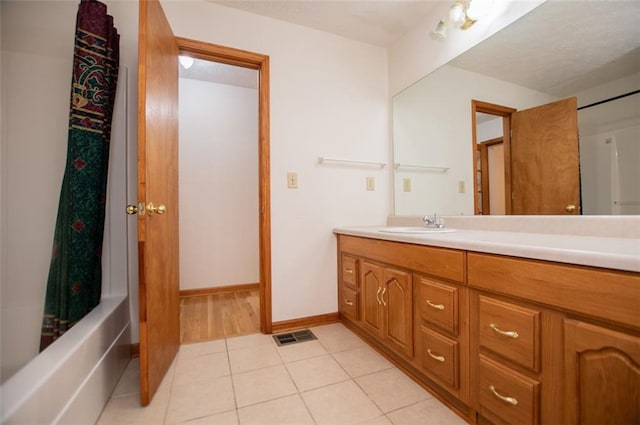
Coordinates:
[562,47]
[220,73]
[377,22]
[568,45]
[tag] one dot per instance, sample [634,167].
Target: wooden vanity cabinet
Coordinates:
[564,346]
[387,308]
[443,338]
[413,301]
[506,359]
[602,370]
[348,287]
[500,339]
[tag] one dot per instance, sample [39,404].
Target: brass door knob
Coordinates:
[132,209]
[156,209]
[570,208]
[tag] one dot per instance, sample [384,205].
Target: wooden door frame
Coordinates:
[483,149]
[504,112]
[259,62]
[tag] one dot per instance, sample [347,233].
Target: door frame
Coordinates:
[483,149]
[504,112]
[259,62]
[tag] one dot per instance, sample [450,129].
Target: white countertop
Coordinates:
[613,253]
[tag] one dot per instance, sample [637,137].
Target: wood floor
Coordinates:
[219,315]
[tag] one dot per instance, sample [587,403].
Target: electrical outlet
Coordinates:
[461,188]
[292,180]
[406,184]
[371,183]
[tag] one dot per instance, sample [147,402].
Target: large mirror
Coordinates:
[560,50]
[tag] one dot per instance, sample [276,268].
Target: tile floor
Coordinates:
[335,380]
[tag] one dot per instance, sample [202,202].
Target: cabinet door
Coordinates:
[397,301]
[371,287]
[602,371]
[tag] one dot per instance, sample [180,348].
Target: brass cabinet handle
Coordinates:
[511,400]
[348,302]
[132,209]
[570,208]
[436,306]
[348,271]
[510,334]
[156,209]
[384,290]
[378,295]
[434,356]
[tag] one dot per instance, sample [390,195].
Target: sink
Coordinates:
[423,230]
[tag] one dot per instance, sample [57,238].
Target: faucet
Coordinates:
[433,222]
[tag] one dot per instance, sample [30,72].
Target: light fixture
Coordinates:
[185,61]
[461,15]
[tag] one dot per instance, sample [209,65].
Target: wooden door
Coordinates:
[157,196]
[397,301]
[371,281]
[545,173]
[602,375]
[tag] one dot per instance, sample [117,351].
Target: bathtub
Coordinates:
[71,381]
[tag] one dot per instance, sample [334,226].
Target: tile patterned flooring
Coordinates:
[334,380]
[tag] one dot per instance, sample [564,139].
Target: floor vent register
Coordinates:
[294,337]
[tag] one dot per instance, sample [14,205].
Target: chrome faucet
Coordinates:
[433,222]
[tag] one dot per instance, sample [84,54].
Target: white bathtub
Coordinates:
[71,381]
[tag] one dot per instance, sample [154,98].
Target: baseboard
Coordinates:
[305,322]
[135,350]
[199,292]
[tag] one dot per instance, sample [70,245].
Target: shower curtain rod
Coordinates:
[610,99]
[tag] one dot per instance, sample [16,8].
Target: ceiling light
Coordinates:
[456,15]
[185,61]
[441,30]
[462,15]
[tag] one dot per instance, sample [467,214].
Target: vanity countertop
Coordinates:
[606,252]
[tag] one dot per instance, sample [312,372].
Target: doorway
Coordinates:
[491,138]
[259,64]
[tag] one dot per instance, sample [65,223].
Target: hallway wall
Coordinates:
[218,170]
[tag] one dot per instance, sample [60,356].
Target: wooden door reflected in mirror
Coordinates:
[541,159]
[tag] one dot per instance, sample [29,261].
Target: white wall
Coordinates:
[432,127]
[603,129]
[37,51]
[218,163]
[328,97]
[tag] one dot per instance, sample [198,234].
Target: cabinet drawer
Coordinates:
[349,303]
[439,304]
[511,331]
[440,357]
[512,397]
[349,272]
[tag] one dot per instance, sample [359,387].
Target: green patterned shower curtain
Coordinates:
[74,284]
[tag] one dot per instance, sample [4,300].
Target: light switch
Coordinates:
[461,186]
[292,180]
[371,183]
[406,184]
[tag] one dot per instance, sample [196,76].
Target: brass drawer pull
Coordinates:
[378,295]
[434,356]
[512,401]
[510,334]
[382,297]
[348,302]
[436,306]
[348,271]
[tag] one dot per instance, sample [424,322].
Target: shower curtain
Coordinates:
[74,284]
